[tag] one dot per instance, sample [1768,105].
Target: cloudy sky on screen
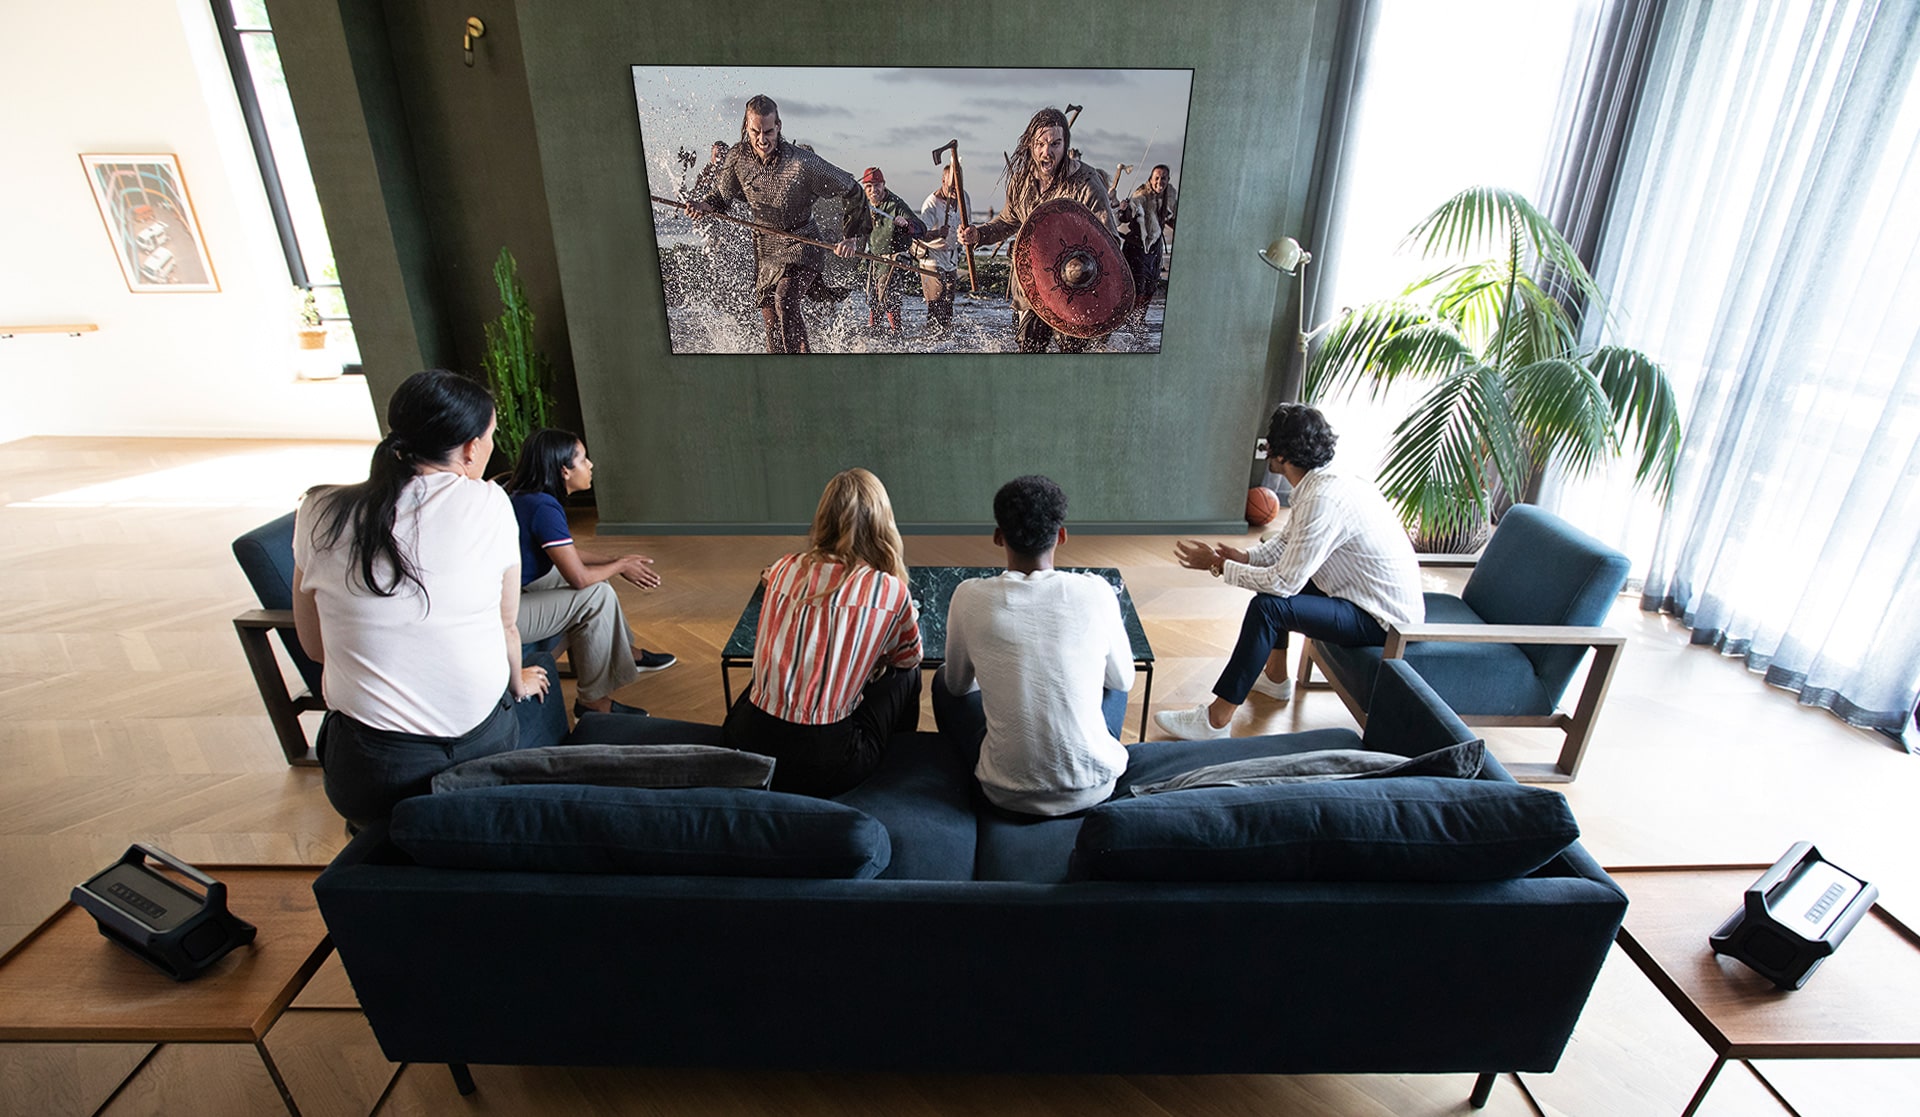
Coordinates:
[893,118]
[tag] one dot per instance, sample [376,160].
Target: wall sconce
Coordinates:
[475,29]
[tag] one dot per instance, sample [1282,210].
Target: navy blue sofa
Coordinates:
[985,945]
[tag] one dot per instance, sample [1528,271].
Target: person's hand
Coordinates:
[1224,553]
[638,569]
[903,223]
[847,249]
[699,210]
[533,684]
[1193,554]
[968,235]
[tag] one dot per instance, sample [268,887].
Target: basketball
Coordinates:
[1262,507]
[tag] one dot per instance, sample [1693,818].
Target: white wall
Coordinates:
[141,76]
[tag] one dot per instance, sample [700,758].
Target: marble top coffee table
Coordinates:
[932,588]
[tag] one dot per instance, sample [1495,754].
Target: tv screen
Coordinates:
[913,210]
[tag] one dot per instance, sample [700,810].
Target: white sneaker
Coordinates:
[1191,725]
[1281,691]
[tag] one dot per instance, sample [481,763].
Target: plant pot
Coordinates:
[313,337]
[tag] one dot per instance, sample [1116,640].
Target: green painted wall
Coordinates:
[745,442]
[426,167]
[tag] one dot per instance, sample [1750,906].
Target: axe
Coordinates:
[1073,114]
[960,201]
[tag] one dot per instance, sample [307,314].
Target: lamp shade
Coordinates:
[1286,255]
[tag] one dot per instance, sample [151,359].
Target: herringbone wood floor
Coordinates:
[129,716]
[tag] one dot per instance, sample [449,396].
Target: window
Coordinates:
[254,60]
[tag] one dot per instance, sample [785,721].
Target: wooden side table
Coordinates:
[65,983]
[1863,1002]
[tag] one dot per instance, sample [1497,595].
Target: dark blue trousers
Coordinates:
[1269,619]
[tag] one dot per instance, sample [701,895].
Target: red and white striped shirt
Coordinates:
[815,650]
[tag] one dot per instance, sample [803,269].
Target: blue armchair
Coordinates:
[266,556]
[1503,652]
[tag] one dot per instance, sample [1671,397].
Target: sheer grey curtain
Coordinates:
[1764,242]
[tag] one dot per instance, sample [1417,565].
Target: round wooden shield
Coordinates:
[1071,270]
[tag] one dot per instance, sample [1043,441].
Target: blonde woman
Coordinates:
[836,664]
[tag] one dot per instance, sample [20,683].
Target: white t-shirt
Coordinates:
[434,665]
[1344,537]
[1042,646]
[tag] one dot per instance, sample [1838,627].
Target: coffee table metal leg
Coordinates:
[137,1068]
[1146,699]
[273,1072]
[1706,1083]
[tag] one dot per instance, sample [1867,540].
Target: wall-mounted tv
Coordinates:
[913,210]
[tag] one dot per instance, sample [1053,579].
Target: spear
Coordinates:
[791,236]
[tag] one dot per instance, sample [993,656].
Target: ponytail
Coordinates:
[431,414]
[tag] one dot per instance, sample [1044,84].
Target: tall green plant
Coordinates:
[1511,387]
[517,373]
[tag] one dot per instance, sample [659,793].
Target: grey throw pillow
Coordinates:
[1462,761]
[613,766]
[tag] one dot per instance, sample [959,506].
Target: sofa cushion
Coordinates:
[922,792]
[612,766]
[1038,850]
[1459,762]
[1423,828]
[681,831]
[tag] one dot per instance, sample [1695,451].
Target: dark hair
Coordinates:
[758,105]
[1029,511]
[1162,167]
[1020,170]
[544,459]
[1300,434]
[431,414]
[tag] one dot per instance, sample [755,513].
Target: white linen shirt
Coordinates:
[1041,647]
[1343,536]
[435,665]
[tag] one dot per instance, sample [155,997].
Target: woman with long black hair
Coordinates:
[565,589]
[406,589]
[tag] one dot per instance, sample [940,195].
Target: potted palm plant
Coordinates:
[1495,333]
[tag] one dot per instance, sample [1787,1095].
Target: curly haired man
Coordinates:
[1342,570]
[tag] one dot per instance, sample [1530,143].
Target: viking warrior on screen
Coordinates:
[780,183]
[1070,282]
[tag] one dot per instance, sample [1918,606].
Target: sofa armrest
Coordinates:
[1407,717]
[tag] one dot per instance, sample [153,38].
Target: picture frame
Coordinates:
[150,223]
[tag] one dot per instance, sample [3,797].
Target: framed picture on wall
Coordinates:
[150,222]
[840,209]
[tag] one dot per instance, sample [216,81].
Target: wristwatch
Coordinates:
[1218,567]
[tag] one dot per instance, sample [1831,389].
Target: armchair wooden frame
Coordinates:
[1606,644]
[283,706]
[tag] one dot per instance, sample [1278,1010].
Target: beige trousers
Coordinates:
[599,643]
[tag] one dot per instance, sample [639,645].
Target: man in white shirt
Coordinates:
[1342,570]
[1038,666]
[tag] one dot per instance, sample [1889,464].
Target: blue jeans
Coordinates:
[1269,619]
[962,718]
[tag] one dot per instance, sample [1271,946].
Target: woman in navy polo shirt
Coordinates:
[563,589]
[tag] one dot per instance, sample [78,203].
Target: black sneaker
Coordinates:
[654,661]
[581,709]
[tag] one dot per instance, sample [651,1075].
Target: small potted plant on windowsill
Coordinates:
[313,331]
[311,361]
